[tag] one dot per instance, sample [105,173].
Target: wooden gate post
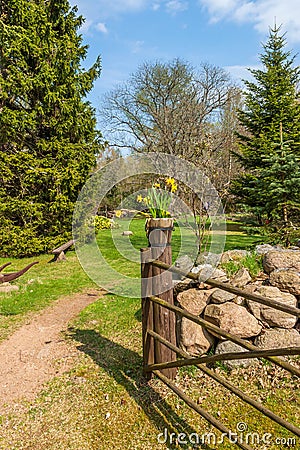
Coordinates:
[159,232]
[147,310]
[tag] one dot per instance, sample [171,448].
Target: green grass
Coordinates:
[104,402]
[237,238]
[183,242]
[251,262]
[111,243]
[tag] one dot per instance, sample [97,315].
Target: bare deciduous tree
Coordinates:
[167,107]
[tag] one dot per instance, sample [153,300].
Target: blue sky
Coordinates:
[225,33]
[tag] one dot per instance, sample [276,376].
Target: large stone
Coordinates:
[231,347]
[183,285]
[240,301]
[194,300]
[270,316]
[284,259]
[233,255]
[193,338]
[278,338]
[250,288]
[265,248]
[220,296]
[6,288]
[241,278]
[184,263]
[233,318]
[213,259]
[286,280]
[127,233]
[210,258]
[206,271]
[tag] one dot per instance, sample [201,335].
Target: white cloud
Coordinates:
[137,46]
[175,6]
[239,73]
[155,6]
[218,9]
[102,27]
[262,13]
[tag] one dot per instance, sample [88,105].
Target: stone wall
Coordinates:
[264,326]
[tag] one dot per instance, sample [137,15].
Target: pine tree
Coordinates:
[270,144]
[48,136]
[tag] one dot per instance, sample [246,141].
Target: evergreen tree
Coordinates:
[270,144]
[48,136]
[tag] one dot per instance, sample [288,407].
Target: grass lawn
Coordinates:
[104,403]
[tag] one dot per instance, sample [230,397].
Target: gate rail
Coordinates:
[164,368]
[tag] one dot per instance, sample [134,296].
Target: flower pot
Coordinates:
[159,231]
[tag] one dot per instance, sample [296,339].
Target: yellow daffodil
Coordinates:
[139,198]
[170,181]
[158,202]
[118,213]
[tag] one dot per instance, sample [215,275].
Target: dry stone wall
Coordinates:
[264,326]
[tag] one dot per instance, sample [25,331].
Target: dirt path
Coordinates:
[29,357]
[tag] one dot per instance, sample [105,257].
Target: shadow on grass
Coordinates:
[242,242]
[138,315]
[125,366]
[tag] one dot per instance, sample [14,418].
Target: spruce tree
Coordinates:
[48,135]
[270,143]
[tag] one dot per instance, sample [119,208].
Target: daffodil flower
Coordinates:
[170,181]
[159,197]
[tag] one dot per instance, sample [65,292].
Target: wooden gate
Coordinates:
[160,350]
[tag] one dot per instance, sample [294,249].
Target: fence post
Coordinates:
[159,233]
[147,310]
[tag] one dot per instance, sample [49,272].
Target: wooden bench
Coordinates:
[59,252]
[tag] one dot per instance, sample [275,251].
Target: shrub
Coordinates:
[103,223]
[18,242]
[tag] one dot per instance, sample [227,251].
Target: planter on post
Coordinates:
[159,233]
